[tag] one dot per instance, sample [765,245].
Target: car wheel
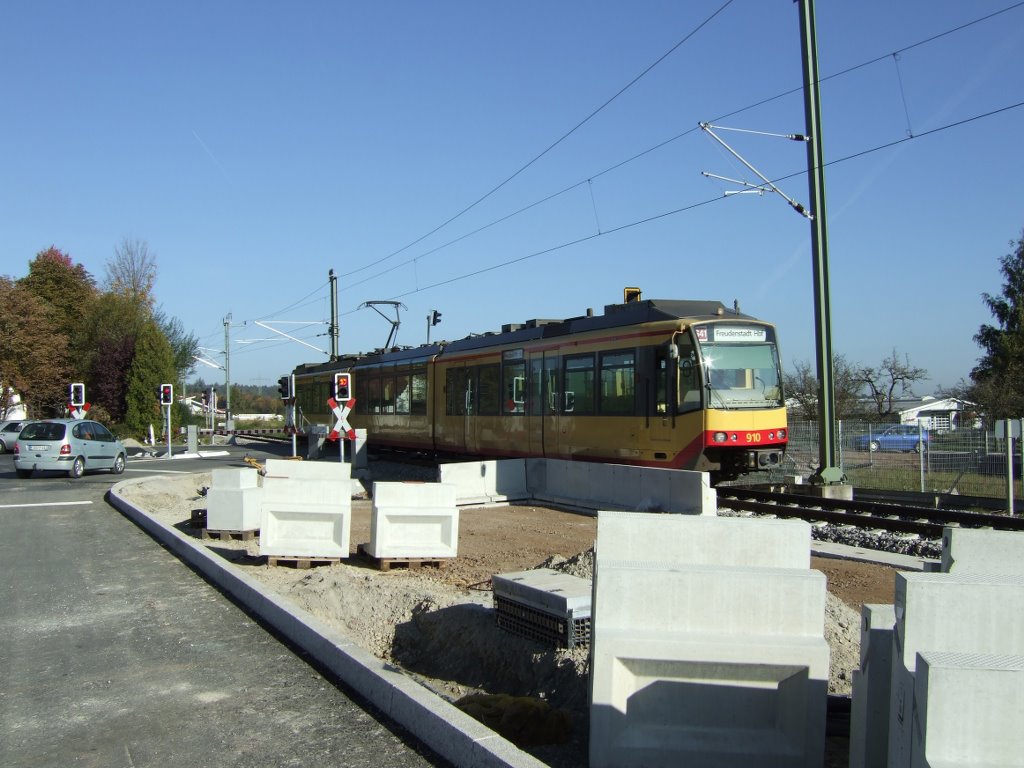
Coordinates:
[874,445]
[118,467]
[3,447]
[77,468]
[24,474]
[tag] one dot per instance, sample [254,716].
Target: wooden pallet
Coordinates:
[301,562]
[230,535]
[412,563]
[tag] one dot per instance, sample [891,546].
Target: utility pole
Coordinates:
[227,371]
[828,472]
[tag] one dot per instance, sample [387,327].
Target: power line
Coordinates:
[647,151]
[554,144]
[702,203]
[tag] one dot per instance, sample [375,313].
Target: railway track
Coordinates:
[872,514]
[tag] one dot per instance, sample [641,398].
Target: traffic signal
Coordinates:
[77,395]
[435,317]
[342,387]
[284,386]
[166,393]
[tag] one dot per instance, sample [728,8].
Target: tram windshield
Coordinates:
[742,374]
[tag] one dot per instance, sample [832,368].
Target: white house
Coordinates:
[939,415]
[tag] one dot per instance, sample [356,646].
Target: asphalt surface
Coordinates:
[114,653]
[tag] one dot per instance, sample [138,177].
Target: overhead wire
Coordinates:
[550,147]
[653,148]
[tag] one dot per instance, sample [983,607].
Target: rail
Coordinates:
[871,514]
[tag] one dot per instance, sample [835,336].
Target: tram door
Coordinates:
[660,404]
[543,405]
[459,394]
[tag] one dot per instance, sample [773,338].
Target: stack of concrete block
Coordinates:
[414,521]
[233,500]
[708,643]
[973,621]
[306,509]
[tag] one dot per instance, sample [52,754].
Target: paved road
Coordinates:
[113,653]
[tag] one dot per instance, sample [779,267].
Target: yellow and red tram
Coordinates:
[660,383]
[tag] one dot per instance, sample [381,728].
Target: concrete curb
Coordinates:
[448,731]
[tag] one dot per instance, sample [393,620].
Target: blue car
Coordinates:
[899,437]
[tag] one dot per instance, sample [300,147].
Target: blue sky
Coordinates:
[501,162]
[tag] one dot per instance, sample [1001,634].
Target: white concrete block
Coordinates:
[869,716]
[316,492]
[308,470]
[967,710]
[969,613]
[234,478]
[620,487]
[710,599]
[981,550]
[233,509]
[728,701]
[947,612]
[304,530]
[414,520]
[546,590]
[687,539]
[485,482]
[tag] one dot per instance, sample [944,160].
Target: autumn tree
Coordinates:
[884,383]
[999,375]
[131,272]
[802,389]
[33,354]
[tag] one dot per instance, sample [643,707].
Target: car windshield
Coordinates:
[742,375]
[43,430]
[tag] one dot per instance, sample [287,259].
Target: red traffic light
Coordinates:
[166,393]
[342,387]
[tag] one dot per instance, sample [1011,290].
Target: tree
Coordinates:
[152,365]
[999,375]
[802,389]
[70,291]
[33,355]
[892,376]
[131,272]
[184,345]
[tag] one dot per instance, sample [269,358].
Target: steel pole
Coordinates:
[828,471]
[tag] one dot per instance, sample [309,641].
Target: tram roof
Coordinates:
[615,315]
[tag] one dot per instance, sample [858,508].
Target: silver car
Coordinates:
[67,445]
[9,431]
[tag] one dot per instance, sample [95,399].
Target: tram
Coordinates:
[656,383]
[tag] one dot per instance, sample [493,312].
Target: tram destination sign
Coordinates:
[731,334]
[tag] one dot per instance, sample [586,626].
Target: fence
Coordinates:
[906,458]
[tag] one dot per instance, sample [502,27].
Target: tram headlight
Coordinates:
[720,437]
[781,434]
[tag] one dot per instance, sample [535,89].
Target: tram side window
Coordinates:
[372,389]
[458,391]
[488,391]
[419,392]
[689,379]
[513,388]
[579,385]
[618,383]
[661,383]
[402,393]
